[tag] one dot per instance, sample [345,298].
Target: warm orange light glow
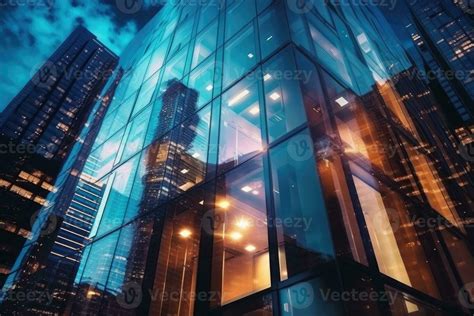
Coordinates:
[224,204]
[243,223]
[185,233]
[250,248]
[235,236]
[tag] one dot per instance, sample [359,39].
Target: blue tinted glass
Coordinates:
[205,44]
[273,30]
[240,134]
[202,80]
[283,99]
[239,14]
[299,206]
[240,55]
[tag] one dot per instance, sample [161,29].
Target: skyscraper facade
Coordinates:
[444,37]
[267,158]
[38,129]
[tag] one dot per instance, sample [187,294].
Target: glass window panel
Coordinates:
[397,248]
[348,240]
[202,80]
[263,4]
[283,99]
[146,93]
[137,76]
[157,58]
[255,306]
[182,37]
[240,254]
[432,185]
[208,13]
[304,235]
[95,271]
[191,159]
[137,133]
[105,155]
[240,55]
[462,258]
[403,304]
[240,134]
[114,203]
[238,15]
[273,30]
[205,44]
[174,69]
[328,51]
[176,267]
[306,299]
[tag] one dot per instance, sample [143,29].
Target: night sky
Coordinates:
[31,33]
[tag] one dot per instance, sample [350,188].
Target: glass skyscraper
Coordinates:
[259,157]
[38,129]
[444,36]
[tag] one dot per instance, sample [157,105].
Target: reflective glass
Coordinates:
[273,30]
[240,263]
[202,80]
[239,14]
[283,99]
[240,55]
[205,44]
[302,223]
[240,134]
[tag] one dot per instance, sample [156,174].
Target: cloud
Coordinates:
[31,32]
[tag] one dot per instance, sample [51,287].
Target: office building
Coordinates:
[39,127]
[259,158]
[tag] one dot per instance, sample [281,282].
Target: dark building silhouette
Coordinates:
[444,37]
[46,118]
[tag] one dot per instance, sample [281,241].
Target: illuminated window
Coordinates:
[47,186]
[240,253]
[28,177]
[394,239]
[240,134]
[22,192]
